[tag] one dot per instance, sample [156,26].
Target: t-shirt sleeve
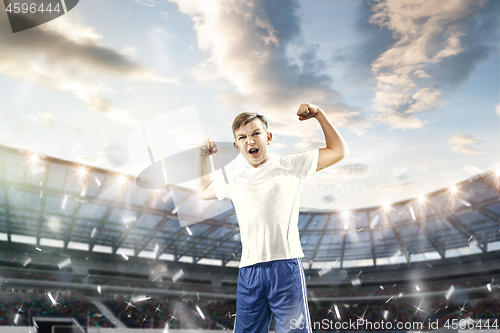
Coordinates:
[304,164]
[221,189]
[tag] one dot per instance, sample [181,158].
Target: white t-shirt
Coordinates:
[266,200]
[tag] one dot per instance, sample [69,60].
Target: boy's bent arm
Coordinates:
[204,177]
[336,148]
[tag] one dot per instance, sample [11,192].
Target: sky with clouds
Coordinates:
[413,86]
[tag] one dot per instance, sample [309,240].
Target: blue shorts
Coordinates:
[275,287]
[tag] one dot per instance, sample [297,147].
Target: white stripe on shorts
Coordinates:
[304,295]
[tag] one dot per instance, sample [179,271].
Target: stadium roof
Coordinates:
[45,201]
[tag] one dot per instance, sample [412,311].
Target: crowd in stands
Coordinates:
[192,313]
[185,313]
[164,285]
[20,309]
[395,289]
[355,289]
[40,276]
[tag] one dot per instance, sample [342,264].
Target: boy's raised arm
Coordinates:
[336,148]
[204,177]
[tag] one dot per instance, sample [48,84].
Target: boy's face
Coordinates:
[252,140]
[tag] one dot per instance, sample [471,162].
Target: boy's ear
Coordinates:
[236,146]
[269,137]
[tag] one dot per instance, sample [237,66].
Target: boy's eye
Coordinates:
[256,133]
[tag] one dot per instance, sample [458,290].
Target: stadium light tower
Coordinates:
[453,189]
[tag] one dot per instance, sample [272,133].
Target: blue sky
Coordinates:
[412,85]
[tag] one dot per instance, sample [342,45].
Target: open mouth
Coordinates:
[253,151]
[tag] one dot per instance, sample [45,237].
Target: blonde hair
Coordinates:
[244,118]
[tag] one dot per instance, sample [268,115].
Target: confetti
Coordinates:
[374,222]
[99,289]
[76,147]
[300,320]
[94,233]
[16,318]
[124,256]
[381,287]
[83,192]
[157,248]
[189,231]
[412,214]
[386,314]
[177,275]
[489,287]
[140,298]
[400,174]
[26,262]
[337,312]
[64,202]
[98,182]
[52,299]
[129,219]
[356,282]
[390,298]
[343,274]
[64,263]
[417,287]
[473,243]
[324,270]
[199,311]
[450,292]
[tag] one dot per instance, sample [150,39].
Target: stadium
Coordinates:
[104,106]
[86,250]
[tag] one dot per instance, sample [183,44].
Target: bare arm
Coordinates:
[204,177]
[336,148]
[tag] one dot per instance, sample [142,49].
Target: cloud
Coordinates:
[497,109]
[115,153]
[464,149]
[459,138]
[44,119]
[258,48]
[147,3]
[472,170]
[402,121]
[163,32]
[66,54]
[431,37]
[421,74]
[310,144]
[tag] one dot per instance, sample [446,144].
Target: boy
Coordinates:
[265,195]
